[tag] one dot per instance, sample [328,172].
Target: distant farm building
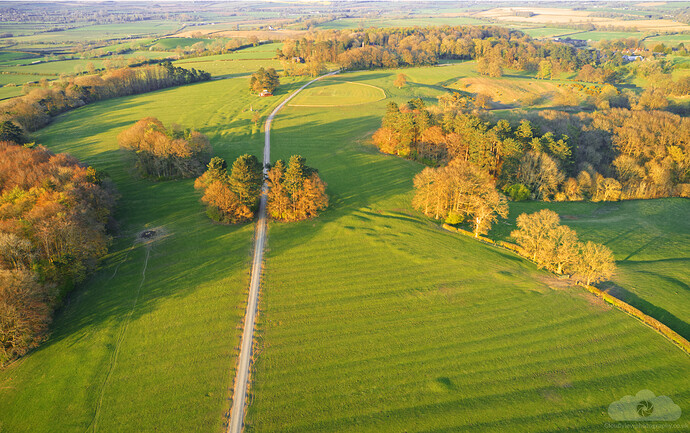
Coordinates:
[631,58]
[265,93]
[573,42]
[297,59]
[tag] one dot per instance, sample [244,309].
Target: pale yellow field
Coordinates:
[569,16]
[261,34]
[509,91]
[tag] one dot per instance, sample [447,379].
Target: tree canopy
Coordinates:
[165,153]
[601,156]
[296,192]
[457,192]
[556,247]
[231,198]
[54,213]
[264,79]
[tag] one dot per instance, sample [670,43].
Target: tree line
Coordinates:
[296,192]
[494,48]
[556,247]
[36,109]
[600,156]
[165,153]
[54,215]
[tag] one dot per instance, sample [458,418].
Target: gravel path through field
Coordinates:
[242,375]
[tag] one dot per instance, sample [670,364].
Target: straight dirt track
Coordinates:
[242,376]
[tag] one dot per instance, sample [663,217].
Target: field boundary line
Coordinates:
[662,329]
[241,385]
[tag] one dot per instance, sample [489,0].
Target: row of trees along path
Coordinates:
[242,374]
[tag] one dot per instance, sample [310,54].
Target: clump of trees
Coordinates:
[264,79]
[556,247]
[35,109]
[165,153]
[457,192]
[54,213]
[606,155]
[232,197]
[296,192]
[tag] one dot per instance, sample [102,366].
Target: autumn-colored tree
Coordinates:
[264,79]
[540,174]
[595,263]
[296,192]
[533,230]
[231,198]
[53,217]
[459,191]
[400,81]
[164,153]
[556,247]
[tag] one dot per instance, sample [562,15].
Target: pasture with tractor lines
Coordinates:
[650,240]
[161,357]
[371,317]
[414,328]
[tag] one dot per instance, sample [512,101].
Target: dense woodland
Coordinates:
[600,156]
[36,109]
[165,153]
[53,218]
[231,197]
[495,47]
[296,192]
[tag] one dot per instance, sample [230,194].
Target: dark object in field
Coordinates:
[148,234]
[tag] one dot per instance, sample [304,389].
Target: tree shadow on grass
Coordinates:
[108,296]
[665,317]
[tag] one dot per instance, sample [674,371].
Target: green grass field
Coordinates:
[172,43]
[374,319]
[668,40]
[154,353]
[15,56]
[546,32]
[353,23]
[228,67]
[603,35]
[10,92]
[335,92]
[651,243]
[71,66]
[102,32]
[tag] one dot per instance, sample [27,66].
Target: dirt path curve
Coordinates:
[242,376]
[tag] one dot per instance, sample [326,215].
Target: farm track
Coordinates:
[239,395]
